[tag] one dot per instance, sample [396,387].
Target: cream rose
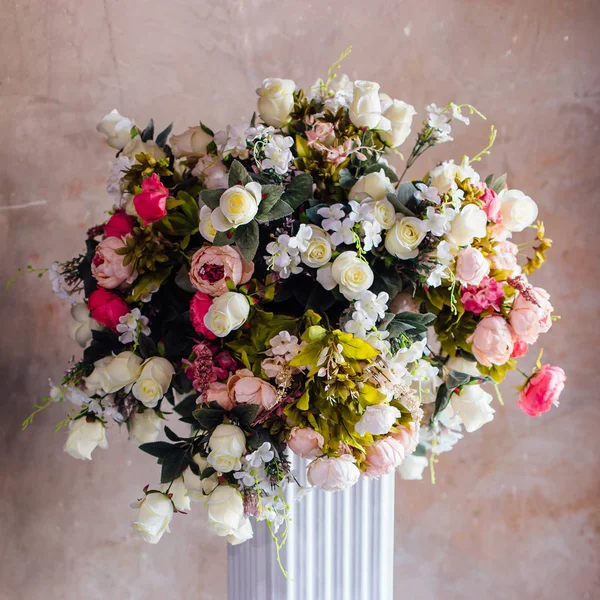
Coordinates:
[199,489]
[144,427]
[332,474]
[468,224]
[136,146]
[276,101]
[471,266]
[227,313]
[113,374]
[518,210]
[383,211]
[400,115]
[403,238]
[365,111]
[472,405]
[225,510]
[377,419]
[237,206]
[84,437]
[179,494]
[155,512]
[353,275]
[318,251]
[412,467]
[192,142]
[154,381]
[373,185]
[492,341]
[207,231]
[116,128]
[227,444]
[82,325]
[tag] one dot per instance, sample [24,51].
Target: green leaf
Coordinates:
[347,180]
[376,167]
[173,203]
[489,179]
[222,238]
[280,210]
[442,399]
[499,183]
[146,346]
[271,195]
[245,413]
[302,147]
[299,190]
[304,400]
[308,356]
[207,129]
[246,240]
[209,418]
[150,280]
[355,347]
[171,435]
[173,464]
[211,197]
[456,379]
[148,132]
[157,449]
[370,395]
[161,138]
[238,174]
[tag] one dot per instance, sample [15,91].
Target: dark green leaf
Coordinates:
[246,240]
[206,129]
[146,346]
[171,435]
[158,449]
[271,195]
[238,174]
[211,197]
[489,179]
[173,464]
[313,214]
[280,210]
[442,399]
[187,406]
[347,180]
[207,473]
[209,418]
[376,167]
[161,138]
[456,379]
[499,183]
[223,238]
[299,190]
[148,132]
[245,413]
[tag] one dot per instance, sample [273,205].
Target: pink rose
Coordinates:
[476,299]
[505,258]
[119,225]
[245,388]
[542,391]
[471,266]
[217,392]
[332,474]
[305,442]
[212,266]
[107,266]
[520,348]
[151,203]
[198,308]
[107,308]
[492,205]
[408,436]
[531,314]
[492,341]
[384,456]
[212,172]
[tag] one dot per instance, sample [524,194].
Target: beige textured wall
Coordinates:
[515,511]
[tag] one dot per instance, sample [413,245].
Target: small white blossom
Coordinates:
[285,258]
[232,141]
[262,455]
[113,183]
[332,216]
[359,324]
[438,223]
[344,234]
[431,194]
[302,238]
[246,478]
[131,326]
[278,153]
[373,305]
[284,344]
[372,235]
[59,285]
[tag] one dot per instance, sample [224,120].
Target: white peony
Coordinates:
[84,437]
[332,473]
[116,128]
[153,381]
[227,313]
[403,238]
[82,325]
[518,210]
[373,185]
[276,101]
[144,427]
[400,115]
[468,224]
[155,512]
[365,111]
[472,406]
[225,510]
[412,467]
[318,248]
[377,419]
[227,444]
[237,206]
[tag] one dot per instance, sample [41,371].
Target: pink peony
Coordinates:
[492,205]
[476,299]
[531,314]
[119,225]
[471,266]
[107,266]
[245,388]
[384,456]
[198,308]
[211,171]
[505,258]
[107,308]
[492,341]
[217,392]
[542,391]
[151,203]
[305,442]
[408,436]
[520,348]
[333,474]
[212,266]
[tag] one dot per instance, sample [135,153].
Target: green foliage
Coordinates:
[238,174]
[211,197]
[298,191]
[163,136]
[410,325]
[173,458]
[148,132]
[246,240]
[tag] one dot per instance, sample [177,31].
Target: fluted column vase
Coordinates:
[340,547]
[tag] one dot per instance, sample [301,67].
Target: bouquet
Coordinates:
[279,287]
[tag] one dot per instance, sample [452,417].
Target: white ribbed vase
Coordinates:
[340,547]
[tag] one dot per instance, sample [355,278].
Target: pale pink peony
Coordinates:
[476,299]
[212,266]
[542,391]
[244,388]
[471,266]
[531,314]
[305,442]
[384,456]
[217,392]
[520,348]
[332,474]
[107,266]
[505,258]
[408,436]
[492,342]
[211,171]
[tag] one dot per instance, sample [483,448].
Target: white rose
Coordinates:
[400,114]
[179,494]
[518,210]
[468,224]
[243,534]
[82,325]
[412,467]
[113,374]
[373,185]
[192,142]
[237,206]
[318,251]
[383,211]
[116,128]
[472,406]
[153,381]
[227,444]
[199,489]
[144,427]
[84,437]
[207,231]
[276,101]
[365,110]
[403,238]
[155,514]
[226,313]
[136,146]
[463,365]
[353,275]
[377,419]
[333,473]
[225,510]
[471,266]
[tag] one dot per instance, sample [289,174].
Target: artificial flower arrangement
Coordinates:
[278,288]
